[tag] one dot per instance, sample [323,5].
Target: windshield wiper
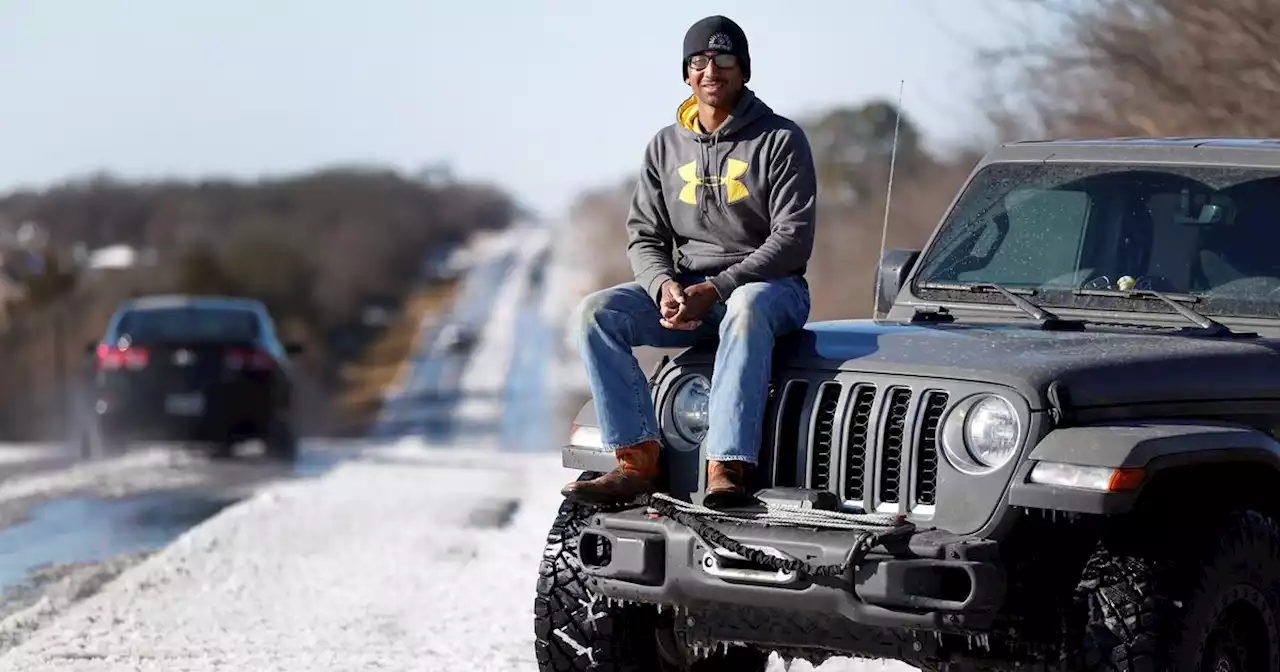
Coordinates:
[1210,326]
[1048,320]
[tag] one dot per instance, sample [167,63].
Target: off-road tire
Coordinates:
[573,633]
[1133,619]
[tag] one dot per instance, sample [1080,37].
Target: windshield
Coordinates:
[1210,232]
[188,325]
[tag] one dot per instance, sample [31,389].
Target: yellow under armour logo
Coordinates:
[734,190]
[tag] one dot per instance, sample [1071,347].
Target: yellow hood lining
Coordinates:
[687,114]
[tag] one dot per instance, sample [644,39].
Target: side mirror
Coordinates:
[293,348]
[890,274]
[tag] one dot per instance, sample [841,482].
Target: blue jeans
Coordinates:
[611,321]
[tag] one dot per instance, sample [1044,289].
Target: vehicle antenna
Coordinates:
[893,157]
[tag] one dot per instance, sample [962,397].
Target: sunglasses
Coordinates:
[723,61]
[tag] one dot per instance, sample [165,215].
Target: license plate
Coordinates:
[184,404]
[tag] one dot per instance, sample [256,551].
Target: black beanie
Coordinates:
[718,33]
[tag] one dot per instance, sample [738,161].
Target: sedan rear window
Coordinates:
[188,324]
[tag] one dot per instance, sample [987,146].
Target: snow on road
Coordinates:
[485,375]
[399,565]
[156,468]
[413,557]
[153,468]
[402,401]
[18,453]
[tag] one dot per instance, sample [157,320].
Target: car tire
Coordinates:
[281,442]
[1143,613]
[95,444]
[222,450]
[575,631]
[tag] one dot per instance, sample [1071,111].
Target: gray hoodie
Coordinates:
[737,205]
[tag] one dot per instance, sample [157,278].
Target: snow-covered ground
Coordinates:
[18,453]
[402,563]
[21,459]
[413,557]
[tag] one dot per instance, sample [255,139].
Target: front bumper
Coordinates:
[227,412]
[931,581]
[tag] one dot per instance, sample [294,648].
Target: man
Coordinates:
[730,189]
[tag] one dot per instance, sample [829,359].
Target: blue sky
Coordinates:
[544,97]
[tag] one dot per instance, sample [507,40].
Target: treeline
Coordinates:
[1086,69]
[318,248]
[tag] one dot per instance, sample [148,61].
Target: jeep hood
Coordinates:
[1099,366]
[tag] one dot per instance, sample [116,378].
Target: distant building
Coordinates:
[119,256]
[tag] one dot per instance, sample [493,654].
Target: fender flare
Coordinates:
[1152,446]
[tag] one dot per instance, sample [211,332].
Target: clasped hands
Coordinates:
[683,307]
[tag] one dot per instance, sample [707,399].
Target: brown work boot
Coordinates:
[726,484]
[635,475]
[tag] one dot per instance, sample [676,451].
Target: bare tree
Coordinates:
[1144,68]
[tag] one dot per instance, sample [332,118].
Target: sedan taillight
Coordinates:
[112,358]
[247,359]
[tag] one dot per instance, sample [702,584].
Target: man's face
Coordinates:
[716,78]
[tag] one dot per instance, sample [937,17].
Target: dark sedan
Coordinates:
[200,369]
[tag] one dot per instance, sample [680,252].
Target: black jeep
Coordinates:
[1051,449]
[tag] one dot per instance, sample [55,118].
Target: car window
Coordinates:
[1035,234]
[188,324]
[1208,231]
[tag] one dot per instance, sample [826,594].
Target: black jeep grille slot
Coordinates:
[824,425]
[874,445]
[856,450]
[935,403]
[894,439]
[791,432]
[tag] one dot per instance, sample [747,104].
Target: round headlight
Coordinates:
[689,408]
[991,431]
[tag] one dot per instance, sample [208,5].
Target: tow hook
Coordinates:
[727,565]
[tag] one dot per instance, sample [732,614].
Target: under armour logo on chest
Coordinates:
[734,190]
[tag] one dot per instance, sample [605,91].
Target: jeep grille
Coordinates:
[874,445]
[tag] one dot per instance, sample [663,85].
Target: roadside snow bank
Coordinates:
[425,566]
